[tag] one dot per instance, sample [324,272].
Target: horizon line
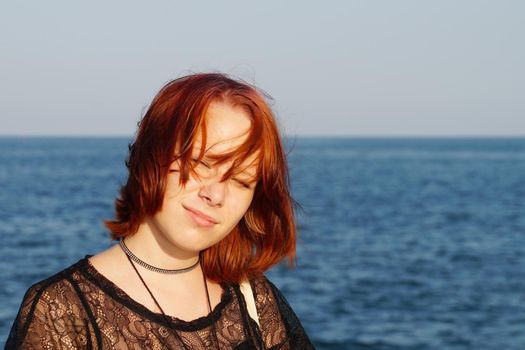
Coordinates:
[313,136]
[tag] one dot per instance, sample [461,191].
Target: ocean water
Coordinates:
[404,243]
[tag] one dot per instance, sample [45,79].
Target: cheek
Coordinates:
[175,190]
[241,205]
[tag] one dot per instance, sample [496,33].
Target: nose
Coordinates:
[213,192]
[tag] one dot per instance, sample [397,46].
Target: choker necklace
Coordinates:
[153,268]
[130,256]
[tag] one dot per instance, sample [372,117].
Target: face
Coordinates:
[205,210]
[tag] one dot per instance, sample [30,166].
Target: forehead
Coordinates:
[227,127]
[227,130]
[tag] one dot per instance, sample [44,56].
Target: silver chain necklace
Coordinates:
[151,267]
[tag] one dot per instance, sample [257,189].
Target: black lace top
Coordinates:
[79,308]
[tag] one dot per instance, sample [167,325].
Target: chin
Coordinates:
[191,245]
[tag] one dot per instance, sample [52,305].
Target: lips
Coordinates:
[200,217]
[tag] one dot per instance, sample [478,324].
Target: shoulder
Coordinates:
[264,289]
[45,305]
[268,298]
[55,285]
[279,323]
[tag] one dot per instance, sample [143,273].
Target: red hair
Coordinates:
[267,232]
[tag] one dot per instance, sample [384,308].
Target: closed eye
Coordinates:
[202,162]
[242,183]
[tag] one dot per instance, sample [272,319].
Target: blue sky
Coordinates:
[353,68]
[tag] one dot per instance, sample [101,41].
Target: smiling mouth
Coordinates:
[200,218]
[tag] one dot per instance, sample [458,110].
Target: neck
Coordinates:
[155,249]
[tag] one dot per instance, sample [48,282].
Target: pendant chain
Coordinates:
[130,256]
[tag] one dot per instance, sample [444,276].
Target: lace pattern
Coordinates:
[78,308]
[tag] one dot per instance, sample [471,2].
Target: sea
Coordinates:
[404,243]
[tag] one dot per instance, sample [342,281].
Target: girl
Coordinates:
[205,211]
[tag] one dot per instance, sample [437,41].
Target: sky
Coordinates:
[333,68]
